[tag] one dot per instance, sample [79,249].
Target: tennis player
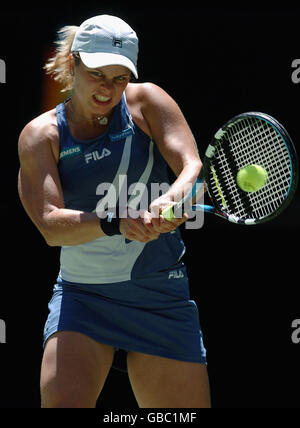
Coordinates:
[122,284]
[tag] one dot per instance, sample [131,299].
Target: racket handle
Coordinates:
[168,213]
[205,208]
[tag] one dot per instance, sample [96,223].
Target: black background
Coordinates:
[216,62]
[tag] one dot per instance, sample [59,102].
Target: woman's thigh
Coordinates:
[159,382]
[74,370]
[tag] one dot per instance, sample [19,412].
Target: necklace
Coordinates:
[102,120]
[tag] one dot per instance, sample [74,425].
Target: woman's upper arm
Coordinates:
[169,128]
[38,183]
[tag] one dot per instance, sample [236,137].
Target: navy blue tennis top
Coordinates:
[122,166]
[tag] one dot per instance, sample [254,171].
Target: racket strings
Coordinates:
[251,141]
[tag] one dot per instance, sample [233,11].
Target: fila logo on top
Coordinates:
[95,156]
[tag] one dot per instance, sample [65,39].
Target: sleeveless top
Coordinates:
[121,166]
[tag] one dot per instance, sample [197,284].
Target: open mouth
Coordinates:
[101,99]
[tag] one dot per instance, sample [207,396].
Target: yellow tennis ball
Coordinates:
[252,178]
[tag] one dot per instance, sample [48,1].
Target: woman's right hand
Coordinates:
[138,227]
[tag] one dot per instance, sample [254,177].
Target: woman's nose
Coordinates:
[107,84]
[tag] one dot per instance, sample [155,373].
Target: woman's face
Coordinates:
[99,90]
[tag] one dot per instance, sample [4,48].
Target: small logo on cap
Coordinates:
[117,42]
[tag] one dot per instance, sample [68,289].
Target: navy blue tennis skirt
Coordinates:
[152,315]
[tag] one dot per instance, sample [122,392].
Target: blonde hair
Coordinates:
[58,66]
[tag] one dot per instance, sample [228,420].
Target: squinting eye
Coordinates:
[121,78]
[97,74]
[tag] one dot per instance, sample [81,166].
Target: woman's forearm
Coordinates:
[70,227]
[184,182]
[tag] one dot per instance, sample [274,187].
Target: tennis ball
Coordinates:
[252,178]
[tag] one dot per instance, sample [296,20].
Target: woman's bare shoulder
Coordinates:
[143,92]
[140,96]
[41,130]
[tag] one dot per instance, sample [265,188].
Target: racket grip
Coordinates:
[168,213]
[205,208]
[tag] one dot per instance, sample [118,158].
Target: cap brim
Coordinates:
[102,59]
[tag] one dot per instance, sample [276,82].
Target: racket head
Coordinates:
[251,138]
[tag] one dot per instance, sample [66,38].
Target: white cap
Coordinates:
[106,40]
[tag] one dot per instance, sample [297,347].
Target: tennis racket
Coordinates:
[251,138]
